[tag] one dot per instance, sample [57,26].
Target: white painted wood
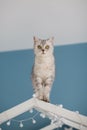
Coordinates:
[66,122]
[17,110]
[50,127]
[68,117]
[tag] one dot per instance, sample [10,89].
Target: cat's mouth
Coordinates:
[43,53]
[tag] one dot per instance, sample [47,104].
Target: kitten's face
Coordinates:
[43,47]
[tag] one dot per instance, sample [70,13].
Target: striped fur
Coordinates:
[43,71]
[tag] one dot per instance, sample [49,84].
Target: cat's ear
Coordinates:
[36,39]
[51,40]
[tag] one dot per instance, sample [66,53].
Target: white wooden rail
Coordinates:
[69,118]
[17,110]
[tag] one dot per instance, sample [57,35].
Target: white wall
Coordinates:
[20,20]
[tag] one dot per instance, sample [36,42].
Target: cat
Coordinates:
[43,71]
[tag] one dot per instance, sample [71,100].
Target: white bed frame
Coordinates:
[70,118]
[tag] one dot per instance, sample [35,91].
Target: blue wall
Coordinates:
[69,88]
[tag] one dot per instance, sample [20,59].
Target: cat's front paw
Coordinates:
[45,99]
[40,97]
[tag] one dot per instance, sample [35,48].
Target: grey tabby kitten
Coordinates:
[43,71]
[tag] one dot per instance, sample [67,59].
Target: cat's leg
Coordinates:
[38,88]
[47,89]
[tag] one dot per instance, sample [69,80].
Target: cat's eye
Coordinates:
[47,47]
[39,47]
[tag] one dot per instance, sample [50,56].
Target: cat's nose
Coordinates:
[42,50]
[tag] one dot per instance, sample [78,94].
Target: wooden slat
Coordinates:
[17,110]
[69,117]
[50,127]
